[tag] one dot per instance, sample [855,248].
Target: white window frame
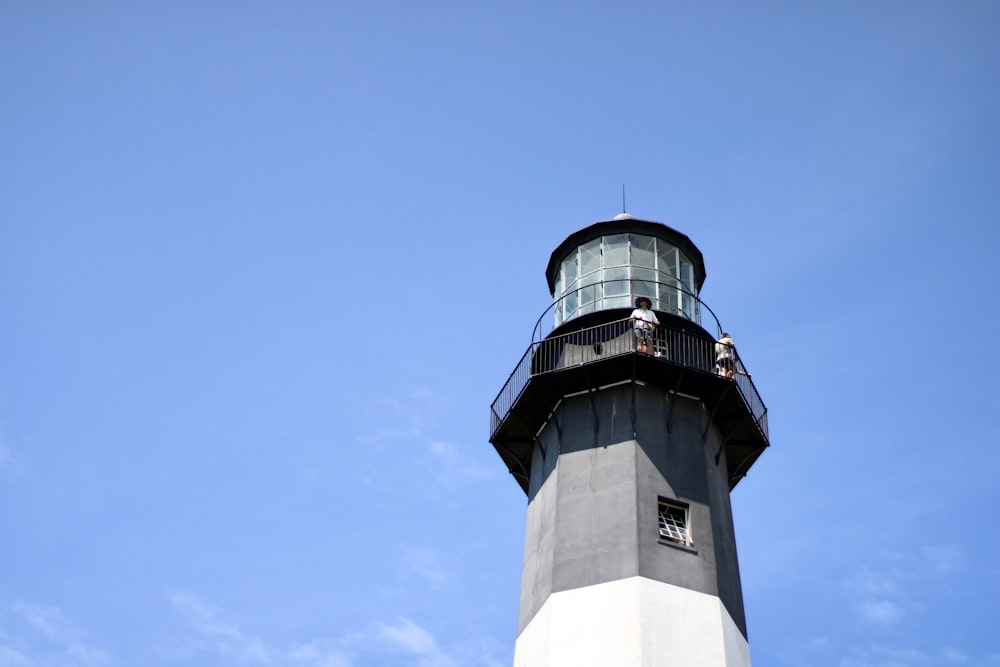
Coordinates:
[674,519]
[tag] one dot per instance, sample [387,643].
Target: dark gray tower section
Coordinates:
[627,458]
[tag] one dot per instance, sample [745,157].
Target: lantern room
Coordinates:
[606,266]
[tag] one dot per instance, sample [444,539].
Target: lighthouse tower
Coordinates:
[627,455]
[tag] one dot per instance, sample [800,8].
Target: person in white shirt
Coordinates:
[725,358]
[644,323]
[725,350]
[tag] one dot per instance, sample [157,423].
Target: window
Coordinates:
[674,526]
[666,259]
[643,253]
[590,257]
[616,250]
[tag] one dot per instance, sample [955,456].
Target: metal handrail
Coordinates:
[614,339]
[548,314]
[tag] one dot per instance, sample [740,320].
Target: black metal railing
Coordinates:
[613,339]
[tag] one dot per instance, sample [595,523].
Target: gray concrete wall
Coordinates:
[600,465]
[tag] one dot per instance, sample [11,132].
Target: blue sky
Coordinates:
[264,266]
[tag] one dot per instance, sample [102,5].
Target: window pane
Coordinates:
[616,250]
[589,294]
[569,269]
[643,251]
[558,285]
[645,274]
[590,256]
[616,281]
[687,274]
[643,288]
[569,304]
[687,305]
[669,300]
[674,524]
[667,258]
[617,302]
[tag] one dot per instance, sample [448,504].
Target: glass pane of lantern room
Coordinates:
[643,251]
[588,296]
[647,275]
[616,250]
[644,284]
[616,281]
[569,304]
[669,299]
[590,257]
[569,271]
[687,274]
[648,290]
[666,259]
[688,306]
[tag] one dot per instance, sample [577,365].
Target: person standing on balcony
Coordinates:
[725,357]
[725,353]
[644,323]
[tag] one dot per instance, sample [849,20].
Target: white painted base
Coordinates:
[633,622]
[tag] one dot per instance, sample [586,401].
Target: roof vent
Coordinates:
[623,216]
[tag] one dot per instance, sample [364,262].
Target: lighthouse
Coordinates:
[627,434]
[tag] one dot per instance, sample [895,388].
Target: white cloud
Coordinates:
[944,558]
[425,650]
[431,566]
[225,637]
[414,418]
[883,612]
[399,642]
[877,655]
[886,591]
[10,657]
[822,651]
[451,468]
[46,635]
[415,640]
[405,418]
[875,580]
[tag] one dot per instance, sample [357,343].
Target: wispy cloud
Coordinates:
[415,641]
[225,637]
[888,589]
[823,651]
[435,567]
[45,635]
[10,657]
[943,559]
[877,655]
[406,417]
[414,418]
[451,468]
[884,612]
[401,641]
